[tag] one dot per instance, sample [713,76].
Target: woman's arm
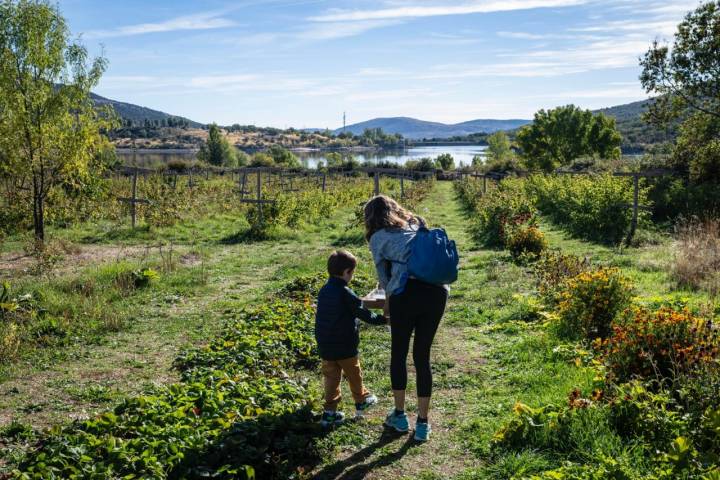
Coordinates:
[380,264]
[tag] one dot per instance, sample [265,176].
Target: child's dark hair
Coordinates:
[339,261]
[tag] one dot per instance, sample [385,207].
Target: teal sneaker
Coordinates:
[330,419]
[422,432]
[360,408]
[398,422]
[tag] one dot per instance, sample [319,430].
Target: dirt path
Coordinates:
[72,258]
[365,450]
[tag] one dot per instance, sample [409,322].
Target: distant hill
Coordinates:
[415,129]
[138,114]
[637,134]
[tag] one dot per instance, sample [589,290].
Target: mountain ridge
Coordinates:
[136,113]
[636,133]
[416,129]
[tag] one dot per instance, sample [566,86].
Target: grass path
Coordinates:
[365,450]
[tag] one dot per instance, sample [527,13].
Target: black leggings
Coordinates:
[420,307]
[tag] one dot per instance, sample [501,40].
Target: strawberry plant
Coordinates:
[235,414]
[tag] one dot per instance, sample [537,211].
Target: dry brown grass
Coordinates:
[697,257]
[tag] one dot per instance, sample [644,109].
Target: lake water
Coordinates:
[461,153]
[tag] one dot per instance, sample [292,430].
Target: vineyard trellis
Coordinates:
[287,181]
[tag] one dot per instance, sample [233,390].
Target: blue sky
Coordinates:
[301,63]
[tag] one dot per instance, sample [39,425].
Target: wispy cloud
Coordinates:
[341,29]
[198,21]
[416,10]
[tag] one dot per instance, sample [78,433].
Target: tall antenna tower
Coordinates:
[343,121]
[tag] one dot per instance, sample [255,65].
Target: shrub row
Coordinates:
[595,208]
[502,217]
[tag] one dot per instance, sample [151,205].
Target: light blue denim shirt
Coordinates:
[392,246]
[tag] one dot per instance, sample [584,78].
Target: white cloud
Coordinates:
[200,21]
[419,10]
[341,29]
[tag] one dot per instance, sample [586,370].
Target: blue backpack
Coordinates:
[433,257]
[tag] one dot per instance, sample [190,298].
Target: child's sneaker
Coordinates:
[422,432]
[397,421]
[360,408]
[332,418]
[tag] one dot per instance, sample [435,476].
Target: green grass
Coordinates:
[492,349]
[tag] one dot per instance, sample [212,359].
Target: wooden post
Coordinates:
[402,186]
[484,184]
[259,195]
[242,185]
[133,208]
[636,206]
[133,200]
[323,182]
[377,183]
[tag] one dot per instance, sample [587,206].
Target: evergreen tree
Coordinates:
[217,150]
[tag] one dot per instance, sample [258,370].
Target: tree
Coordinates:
[217,150]
[557,137]
[686,80]
[688,77]
[425,164]
[50,131]
[333,159]
[283,157]
[697,152]
[242,158]
[498,147]
[445,161]
[478,161]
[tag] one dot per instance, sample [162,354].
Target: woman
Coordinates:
[411,305]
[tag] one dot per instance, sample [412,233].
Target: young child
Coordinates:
[338,337]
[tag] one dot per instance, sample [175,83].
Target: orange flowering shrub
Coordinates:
[661,344]
[591,301]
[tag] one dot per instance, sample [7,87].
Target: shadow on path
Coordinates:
[354,467]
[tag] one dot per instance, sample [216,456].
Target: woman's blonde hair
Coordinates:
[382,211]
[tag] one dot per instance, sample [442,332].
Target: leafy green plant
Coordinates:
[128,280]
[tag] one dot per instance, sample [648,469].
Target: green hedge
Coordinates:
[594,208]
